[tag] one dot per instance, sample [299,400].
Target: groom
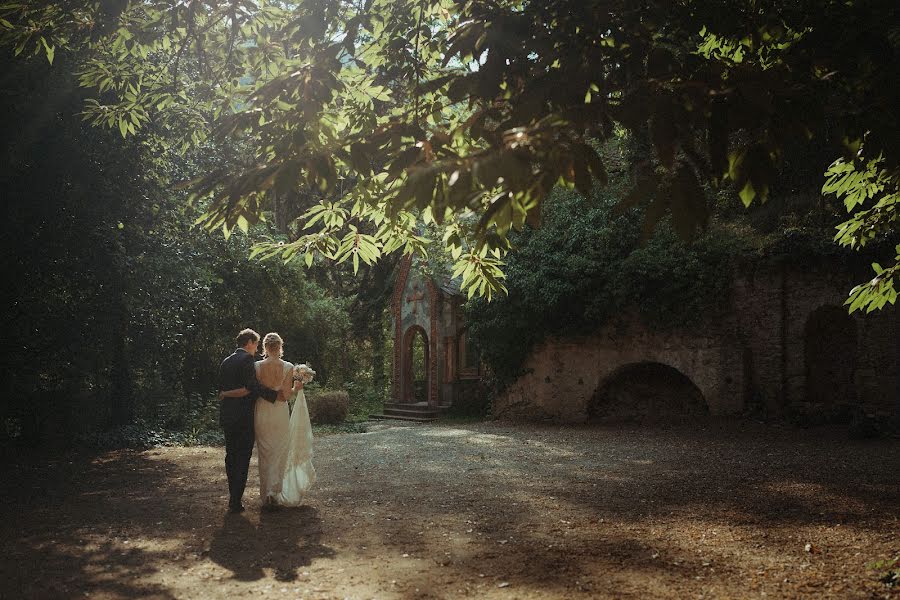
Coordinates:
[236,414]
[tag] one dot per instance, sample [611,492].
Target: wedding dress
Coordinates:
[283,439]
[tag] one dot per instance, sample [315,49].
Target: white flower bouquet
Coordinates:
[303,373]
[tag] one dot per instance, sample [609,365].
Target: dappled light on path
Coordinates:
[482,510]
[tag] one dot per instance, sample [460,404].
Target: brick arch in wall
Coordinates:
[562,375]
[407,392]
[646,389]
[701,368]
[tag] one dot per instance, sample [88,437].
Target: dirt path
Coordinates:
[484,510]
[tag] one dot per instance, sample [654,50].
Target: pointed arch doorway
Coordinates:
[415,378]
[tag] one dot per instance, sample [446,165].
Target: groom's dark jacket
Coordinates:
[238,371]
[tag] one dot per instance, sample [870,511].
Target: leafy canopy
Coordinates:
[395,108]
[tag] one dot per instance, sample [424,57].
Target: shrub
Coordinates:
[328,406]
[364,400]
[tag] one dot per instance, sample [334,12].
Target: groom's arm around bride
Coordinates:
[236,412]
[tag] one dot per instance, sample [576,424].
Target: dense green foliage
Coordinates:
[586,267]
[328,407]
[121,311]
[449,106]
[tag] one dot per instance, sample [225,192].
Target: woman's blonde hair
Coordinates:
[273,345]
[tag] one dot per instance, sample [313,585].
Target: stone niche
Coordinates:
[434,362]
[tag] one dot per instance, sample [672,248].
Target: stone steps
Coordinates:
[399,418]
[408,405]
[420,412]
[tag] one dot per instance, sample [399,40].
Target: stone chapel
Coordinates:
[435,366]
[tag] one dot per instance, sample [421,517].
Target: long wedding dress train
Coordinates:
[299,473]
[284,441]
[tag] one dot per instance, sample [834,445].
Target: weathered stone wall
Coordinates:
[752,358]
[448,326]
[773,306]
[759,315]
[877,347]
[564,374]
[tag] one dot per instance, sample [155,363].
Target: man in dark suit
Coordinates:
[236,414]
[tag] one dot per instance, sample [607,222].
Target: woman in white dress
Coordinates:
[283,437]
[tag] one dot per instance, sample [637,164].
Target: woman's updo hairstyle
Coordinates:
[273,345]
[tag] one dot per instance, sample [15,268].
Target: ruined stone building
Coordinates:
[784,344]
[435,365]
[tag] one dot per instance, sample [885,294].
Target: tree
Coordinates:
[120,316]
[445,107]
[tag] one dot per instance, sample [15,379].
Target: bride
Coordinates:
[283,437]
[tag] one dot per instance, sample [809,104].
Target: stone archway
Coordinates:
[829,352]
[646,391]
[415,371]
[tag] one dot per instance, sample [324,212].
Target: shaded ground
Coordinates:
[488,510]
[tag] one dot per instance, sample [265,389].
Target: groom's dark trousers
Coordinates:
[236,418]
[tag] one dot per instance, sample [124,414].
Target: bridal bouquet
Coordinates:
[304,373]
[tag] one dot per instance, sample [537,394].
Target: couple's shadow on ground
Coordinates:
[285,540]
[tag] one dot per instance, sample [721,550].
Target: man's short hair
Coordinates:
[246,336]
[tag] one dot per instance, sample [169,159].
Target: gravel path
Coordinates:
[486,510]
